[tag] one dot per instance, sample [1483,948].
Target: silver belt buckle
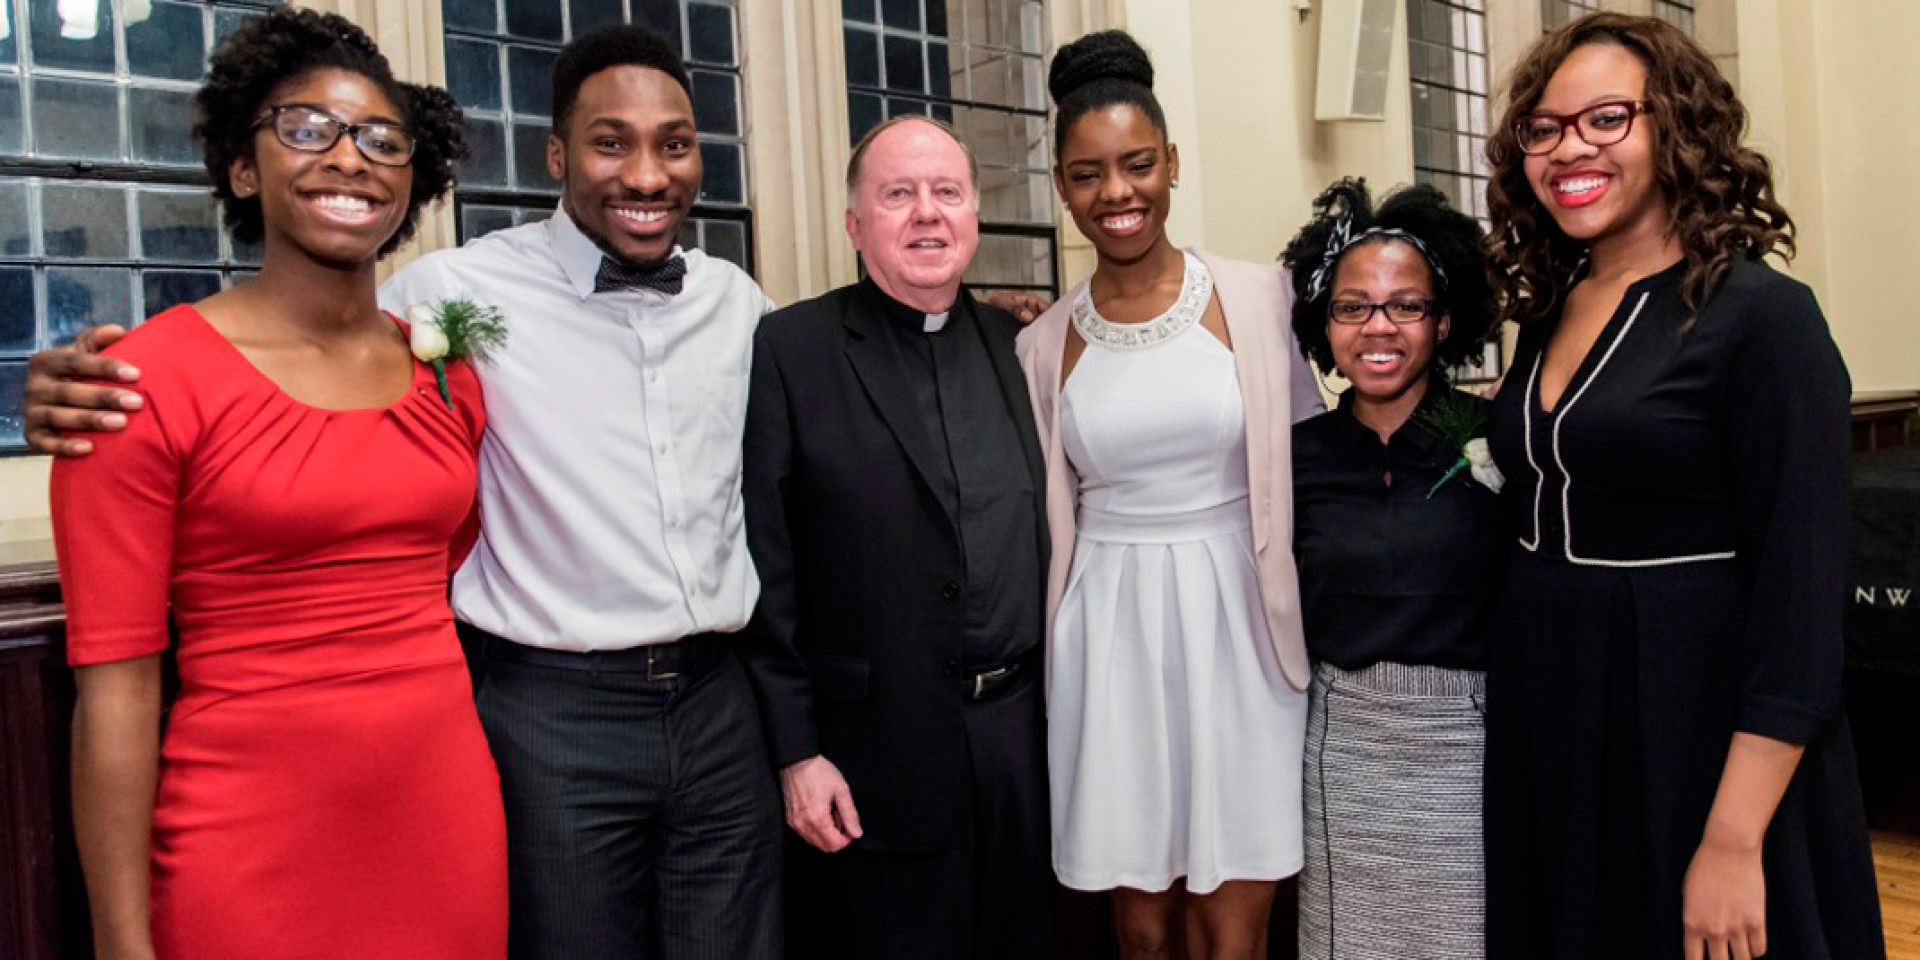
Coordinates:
[668,675]
[980,680]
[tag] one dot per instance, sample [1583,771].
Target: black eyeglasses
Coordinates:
[1355,312]
[312,130]
[1601,125]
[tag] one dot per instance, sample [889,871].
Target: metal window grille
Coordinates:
[1677,12]
[1447,53]
[1555,14]
[500,57]
[105,212]
[978,64]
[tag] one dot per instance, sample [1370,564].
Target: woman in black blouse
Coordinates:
[1668,766]
[1399,548]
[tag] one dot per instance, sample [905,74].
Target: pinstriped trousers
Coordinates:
[1395,862]
[643,820]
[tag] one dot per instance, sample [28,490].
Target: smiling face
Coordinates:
[1116,175]
[337,207]
[1385,360]
[1600,195]
[628,162]
[914,215]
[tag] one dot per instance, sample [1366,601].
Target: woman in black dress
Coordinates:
[1668,766]
[1399,549]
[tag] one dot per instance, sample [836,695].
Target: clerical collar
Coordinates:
[898,312]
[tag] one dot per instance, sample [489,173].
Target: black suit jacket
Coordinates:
[855,646]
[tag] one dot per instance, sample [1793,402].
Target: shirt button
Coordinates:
[950,591]
[673,521]
[950,668]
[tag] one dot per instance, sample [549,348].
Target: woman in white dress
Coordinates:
[1164,391]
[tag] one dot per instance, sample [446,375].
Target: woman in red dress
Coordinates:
[290,499]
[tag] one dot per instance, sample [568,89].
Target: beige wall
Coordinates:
[1236,78]
[1834,88]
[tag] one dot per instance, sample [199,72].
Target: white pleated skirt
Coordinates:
[1174,741]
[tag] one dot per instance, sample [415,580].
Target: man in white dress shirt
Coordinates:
[642,813]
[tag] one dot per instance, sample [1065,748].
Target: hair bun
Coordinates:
[1106,55]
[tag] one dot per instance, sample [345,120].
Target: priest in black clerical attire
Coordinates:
[893,488]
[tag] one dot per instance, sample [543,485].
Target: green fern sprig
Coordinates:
[1456,419]
[473,330]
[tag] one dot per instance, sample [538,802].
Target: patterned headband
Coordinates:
[1344,239]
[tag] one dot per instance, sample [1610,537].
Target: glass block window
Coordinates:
[1677,12]
[105,212]
[1555,14]
[979,65]
[1447,54]
[500,57]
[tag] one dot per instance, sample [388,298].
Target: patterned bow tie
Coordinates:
[666,276]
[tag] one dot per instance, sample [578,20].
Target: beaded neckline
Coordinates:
[1196,289]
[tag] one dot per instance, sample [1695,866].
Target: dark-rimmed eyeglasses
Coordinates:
[1353,311]
[312,130]
[1601,125]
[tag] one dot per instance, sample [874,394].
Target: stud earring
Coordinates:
[1176,183]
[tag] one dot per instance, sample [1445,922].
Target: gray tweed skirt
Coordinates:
[1395,868]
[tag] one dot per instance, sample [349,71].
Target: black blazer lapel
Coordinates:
[876,363]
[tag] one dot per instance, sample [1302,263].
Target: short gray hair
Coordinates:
[859,157]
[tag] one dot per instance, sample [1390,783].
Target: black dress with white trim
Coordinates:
[1678,577]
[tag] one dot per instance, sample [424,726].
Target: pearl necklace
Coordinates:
[1196,290]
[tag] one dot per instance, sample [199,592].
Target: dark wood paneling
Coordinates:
[42,899]
[1885,418]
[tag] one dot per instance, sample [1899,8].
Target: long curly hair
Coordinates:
[1719,193]
[284,47]
[1452,237]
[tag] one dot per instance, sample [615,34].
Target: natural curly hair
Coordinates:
[1719,193]
[1452,237]
[284,47]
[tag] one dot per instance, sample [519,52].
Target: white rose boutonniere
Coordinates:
[1480,463]
[1460,422]
[454,329]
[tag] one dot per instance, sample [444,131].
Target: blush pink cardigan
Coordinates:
[1277,388]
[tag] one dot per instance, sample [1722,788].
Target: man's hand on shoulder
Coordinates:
[819,804]
[58,403]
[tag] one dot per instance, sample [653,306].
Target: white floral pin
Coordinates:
[1460,422]
[454,329]
[1479,456]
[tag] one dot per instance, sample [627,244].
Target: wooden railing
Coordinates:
[1885,418]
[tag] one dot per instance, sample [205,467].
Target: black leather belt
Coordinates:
[686,658]
[983,681]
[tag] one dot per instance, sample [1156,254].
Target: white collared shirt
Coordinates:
[610,470]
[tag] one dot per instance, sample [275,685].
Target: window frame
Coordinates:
[960,43]
[229,263]
[536,204]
